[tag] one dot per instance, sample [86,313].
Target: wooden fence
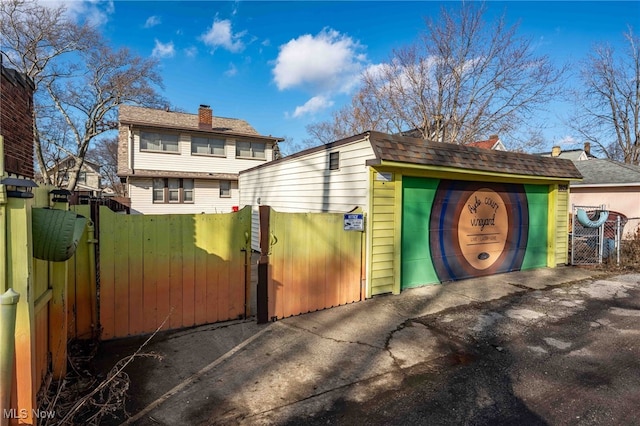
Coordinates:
[313,263]
[41,316]
[191,268]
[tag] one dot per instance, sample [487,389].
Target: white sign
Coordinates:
[354,222]
[384,177]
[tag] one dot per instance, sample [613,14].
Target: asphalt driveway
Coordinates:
[551,346]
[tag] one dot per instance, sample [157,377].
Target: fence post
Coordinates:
[20,278]
[8,308]
[262,292]
[618,240]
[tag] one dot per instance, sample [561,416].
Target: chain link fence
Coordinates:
[594,241]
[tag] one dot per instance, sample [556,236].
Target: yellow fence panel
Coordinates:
[187,268]
[313,263]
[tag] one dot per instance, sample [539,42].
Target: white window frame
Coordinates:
[253,153]
[163,145]
[210,145]
[225,189]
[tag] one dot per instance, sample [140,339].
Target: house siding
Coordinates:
[307,185]
[206,198]
[185,161]
[562,227]
[384,234]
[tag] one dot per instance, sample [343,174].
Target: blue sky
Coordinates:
[260,60]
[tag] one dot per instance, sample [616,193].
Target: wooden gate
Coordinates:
[191,268]
[308,262]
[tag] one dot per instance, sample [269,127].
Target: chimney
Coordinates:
[493,137]
[555,151]
[587,148]
[205,117]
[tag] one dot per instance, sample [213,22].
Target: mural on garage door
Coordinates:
[460,229]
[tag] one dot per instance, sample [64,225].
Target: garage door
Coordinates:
[460,229]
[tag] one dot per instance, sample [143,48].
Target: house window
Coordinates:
[158,142]
[82,178]
[250,149]
[207,146]
[158,190]
[334,160]
[225,189]
[172,190]
[187,190]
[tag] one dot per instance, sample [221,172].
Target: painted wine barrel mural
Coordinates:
[477,228]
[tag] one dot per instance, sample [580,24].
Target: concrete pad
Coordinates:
[415,344]
[480,289]
[545,277]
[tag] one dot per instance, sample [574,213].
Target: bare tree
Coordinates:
[89,102]
[105,153]
[608,101]
[464,79]
[80,80]
[35,39]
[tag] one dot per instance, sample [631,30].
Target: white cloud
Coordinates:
[191,52]
[231,71]
[163,50]
[152,21]
[221,35]
[567,140]
[92,12]
[328,61]
[315,104]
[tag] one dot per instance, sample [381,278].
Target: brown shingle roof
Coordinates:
[129,114]
[417,151]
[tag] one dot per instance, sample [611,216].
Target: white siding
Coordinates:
[206,195]
[184,161]
[305,184]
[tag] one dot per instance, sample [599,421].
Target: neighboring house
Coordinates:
[89,179]
[493,142]
[612,184]
[435,212]
[570,154]
[175,162]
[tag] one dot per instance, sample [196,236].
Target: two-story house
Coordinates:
[174,162]
[89,179]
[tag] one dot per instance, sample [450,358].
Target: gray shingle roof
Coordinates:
[417,151]
[129,114]
[603,171]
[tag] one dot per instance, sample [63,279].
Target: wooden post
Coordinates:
[8,302]
[263,268]
[20,278]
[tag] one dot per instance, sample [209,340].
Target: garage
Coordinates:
[443,212]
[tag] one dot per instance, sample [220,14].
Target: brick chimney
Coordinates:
[587,148]
[555,151]
[493,138]
[205,117]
